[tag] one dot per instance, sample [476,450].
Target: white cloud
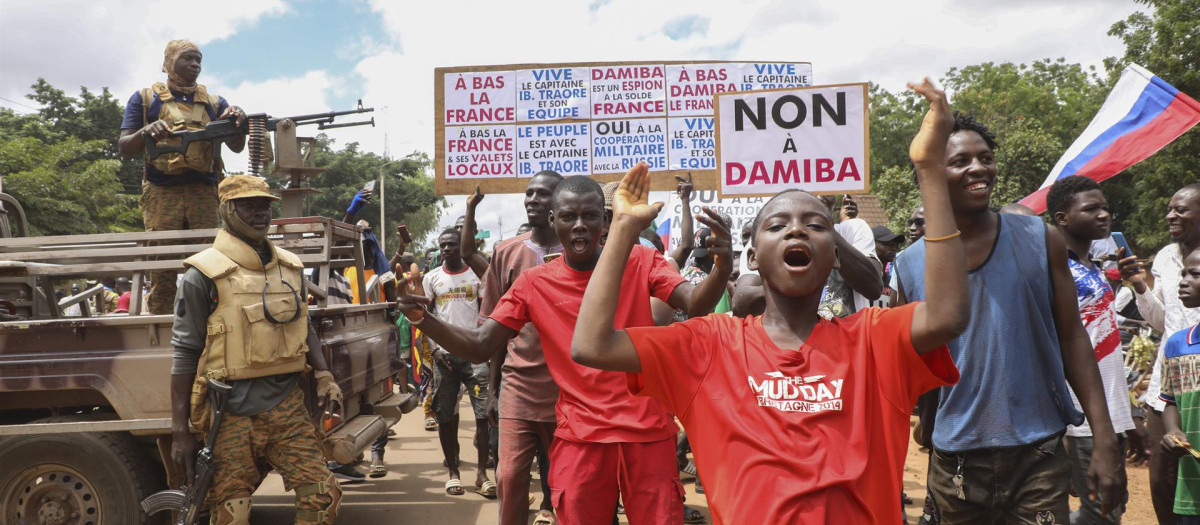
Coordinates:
[120,45]
[107,44]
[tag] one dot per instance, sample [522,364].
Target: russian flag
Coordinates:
[664,233]
[1141,116]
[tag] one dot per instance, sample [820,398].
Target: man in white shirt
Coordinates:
[453,290]
[1161,308]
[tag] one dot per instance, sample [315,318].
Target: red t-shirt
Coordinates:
[814,435]
[594,406]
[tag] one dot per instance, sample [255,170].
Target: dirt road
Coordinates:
[412,491]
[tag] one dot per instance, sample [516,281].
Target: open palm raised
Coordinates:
[632,197]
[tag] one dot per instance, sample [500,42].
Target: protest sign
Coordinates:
[553,94]
[810,138]
[593,119]
[619,144]
[563,148]
[741,211]
[480,152]
[693,143]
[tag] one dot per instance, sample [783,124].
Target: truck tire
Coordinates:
[86,478]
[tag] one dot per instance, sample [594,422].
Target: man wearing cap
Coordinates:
[241,318]
[886,246]
[177,188]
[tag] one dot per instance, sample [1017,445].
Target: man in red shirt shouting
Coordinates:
[792,418]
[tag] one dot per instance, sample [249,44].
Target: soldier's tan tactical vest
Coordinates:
[242,342]
[179,117]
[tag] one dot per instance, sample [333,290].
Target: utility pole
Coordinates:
[383,206]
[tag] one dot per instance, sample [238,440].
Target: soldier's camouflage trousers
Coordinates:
[181,207]
[285,437]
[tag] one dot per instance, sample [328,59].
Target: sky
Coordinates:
[289,57]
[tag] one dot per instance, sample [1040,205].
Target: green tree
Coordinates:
[91,116]
[1166,42]
[410,196]
[64,188]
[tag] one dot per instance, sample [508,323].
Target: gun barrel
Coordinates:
[324,125]
[328,116]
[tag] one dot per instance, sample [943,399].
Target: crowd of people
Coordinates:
[1005,333]
[793,366]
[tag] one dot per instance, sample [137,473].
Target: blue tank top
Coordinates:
[1012,389]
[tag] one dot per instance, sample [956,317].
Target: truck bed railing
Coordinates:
[321,244]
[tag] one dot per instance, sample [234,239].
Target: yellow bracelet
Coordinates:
[946,238]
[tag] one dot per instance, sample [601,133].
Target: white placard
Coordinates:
[565,148]
[690,87]
[774,75]
[619,144]
[480,98]
[741,210]
[481,152]
[557,93]
[812,138]
[629,91]
[693,143]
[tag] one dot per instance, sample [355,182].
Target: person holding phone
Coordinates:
[1080,212]
[1163,310]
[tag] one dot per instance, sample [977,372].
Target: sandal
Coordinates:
[544,517]
[692,515]
[430,424]
[378,471]
[454,487]
[487,490]
[689,469]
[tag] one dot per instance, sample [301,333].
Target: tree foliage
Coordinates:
[1037,110]
[62,165]
[1166,42]
[409,185]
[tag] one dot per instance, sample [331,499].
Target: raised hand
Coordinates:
[475,198]
[412,301]
[720,240]
[684,188]
[929,146]
[362,198]
[849,208]
[630,202]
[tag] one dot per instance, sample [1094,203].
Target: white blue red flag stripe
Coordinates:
[1141,116]
[664,233]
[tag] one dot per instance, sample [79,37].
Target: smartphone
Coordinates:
[404,234]
[369,186]
[1119,238]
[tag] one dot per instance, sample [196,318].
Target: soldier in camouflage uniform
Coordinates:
[178,189]
[240,319]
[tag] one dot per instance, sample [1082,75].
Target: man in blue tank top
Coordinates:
[997,438]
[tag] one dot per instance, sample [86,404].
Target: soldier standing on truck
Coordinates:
[240,318]
[177,189]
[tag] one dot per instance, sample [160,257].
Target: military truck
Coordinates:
[85,401]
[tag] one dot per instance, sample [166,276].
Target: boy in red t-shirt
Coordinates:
[605,437]
[793,419]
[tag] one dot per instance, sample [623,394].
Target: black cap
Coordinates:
[884,235]
[700,251]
